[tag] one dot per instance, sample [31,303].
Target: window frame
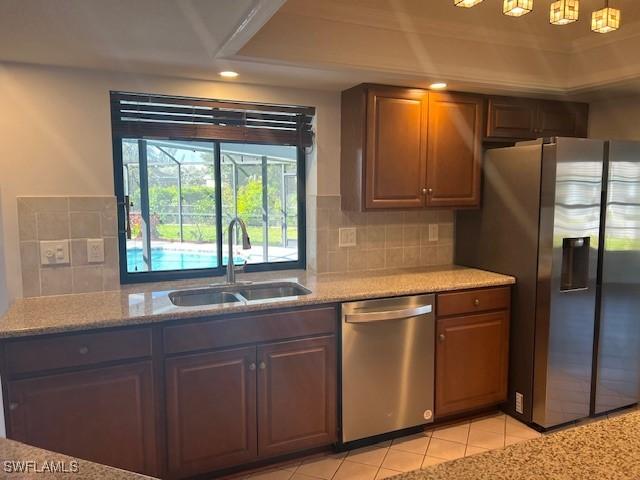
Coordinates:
[127,277]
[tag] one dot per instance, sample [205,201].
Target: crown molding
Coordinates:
[259,14]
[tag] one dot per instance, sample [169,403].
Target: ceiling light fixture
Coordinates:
[605,20]
[466,3]
[228,74]
[438,86]
[517,8]
[564,11]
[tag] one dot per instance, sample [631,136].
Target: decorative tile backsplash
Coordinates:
[75,219]
[383,239]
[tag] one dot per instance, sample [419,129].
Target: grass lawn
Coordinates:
[207,233]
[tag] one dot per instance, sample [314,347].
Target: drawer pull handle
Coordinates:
[441,337]
[83,350]
[476,302]
[13,406]
[252,366]
[263,365]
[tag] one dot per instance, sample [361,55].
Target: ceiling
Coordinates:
[331,44]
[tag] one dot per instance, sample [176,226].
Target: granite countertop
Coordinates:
[147,303]
[606,449]
[39,463]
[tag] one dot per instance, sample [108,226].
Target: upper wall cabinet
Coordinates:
[454,150]
[405,148]
[522,118]
[384,145]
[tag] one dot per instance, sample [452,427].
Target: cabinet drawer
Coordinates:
[76,350]
[471,301]
[243,330]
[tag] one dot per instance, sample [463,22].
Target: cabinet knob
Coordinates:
[83,350]
[252,366]
[476,302]
[441,337]
[13,406]
[263,365]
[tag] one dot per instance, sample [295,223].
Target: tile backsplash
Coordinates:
[75,219]
[383,239]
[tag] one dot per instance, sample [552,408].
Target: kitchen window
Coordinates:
[184,168]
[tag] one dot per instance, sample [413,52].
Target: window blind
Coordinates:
[136,115]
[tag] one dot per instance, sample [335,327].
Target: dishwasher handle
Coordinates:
[379,316]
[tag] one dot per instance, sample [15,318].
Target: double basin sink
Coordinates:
[236,293]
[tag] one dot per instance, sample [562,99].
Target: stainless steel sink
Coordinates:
[203,296]
[237,292]
[263,291]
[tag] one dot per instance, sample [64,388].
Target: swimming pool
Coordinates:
[164,259]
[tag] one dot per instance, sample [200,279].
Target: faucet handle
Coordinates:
[241,268]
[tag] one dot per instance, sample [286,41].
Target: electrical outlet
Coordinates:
[433,232]
[95,250]
[519,403]
[54,252]
[347,237]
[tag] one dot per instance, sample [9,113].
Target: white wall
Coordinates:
[4,304]
[615,119]
[56,132]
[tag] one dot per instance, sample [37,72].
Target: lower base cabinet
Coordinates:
[105,415]
[211,410]
[472,350]
[235,406]
[296,395]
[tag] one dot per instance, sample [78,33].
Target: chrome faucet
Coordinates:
[246,245]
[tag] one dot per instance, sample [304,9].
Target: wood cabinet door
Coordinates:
[297,389]
[562,119]
[454,150]
[471,362]
[104,415]
[512,118]
[211,410]
[396,142]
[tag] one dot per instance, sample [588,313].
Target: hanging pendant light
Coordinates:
[517,8]
[564,12]
[466,3]
[605,20]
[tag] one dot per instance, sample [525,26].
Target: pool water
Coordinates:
[162,259]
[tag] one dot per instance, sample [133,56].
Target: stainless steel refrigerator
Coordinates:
[563,216]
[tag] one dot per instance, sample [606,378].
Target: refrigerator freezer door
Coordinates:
[618,361]
[565,316]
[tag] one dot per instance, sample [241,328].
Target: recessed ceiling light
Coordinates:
[438,86]
[229,74]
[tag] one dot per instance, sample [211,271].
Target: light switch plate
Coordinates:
[433,232]
[54,252]
[95,250]
[347,237]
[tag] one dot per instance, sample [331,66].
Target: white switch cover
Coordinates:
[433,232]
[95,250]
[347,237]
[54,252]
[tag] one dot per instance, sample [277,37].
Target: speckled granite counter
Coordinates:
[607,449]
[20,461]
[146,303]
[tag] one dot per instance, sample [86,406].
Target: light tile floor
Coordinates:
[404,454]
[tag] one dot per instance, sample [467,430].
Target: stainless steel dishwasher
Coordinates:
[387,365]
